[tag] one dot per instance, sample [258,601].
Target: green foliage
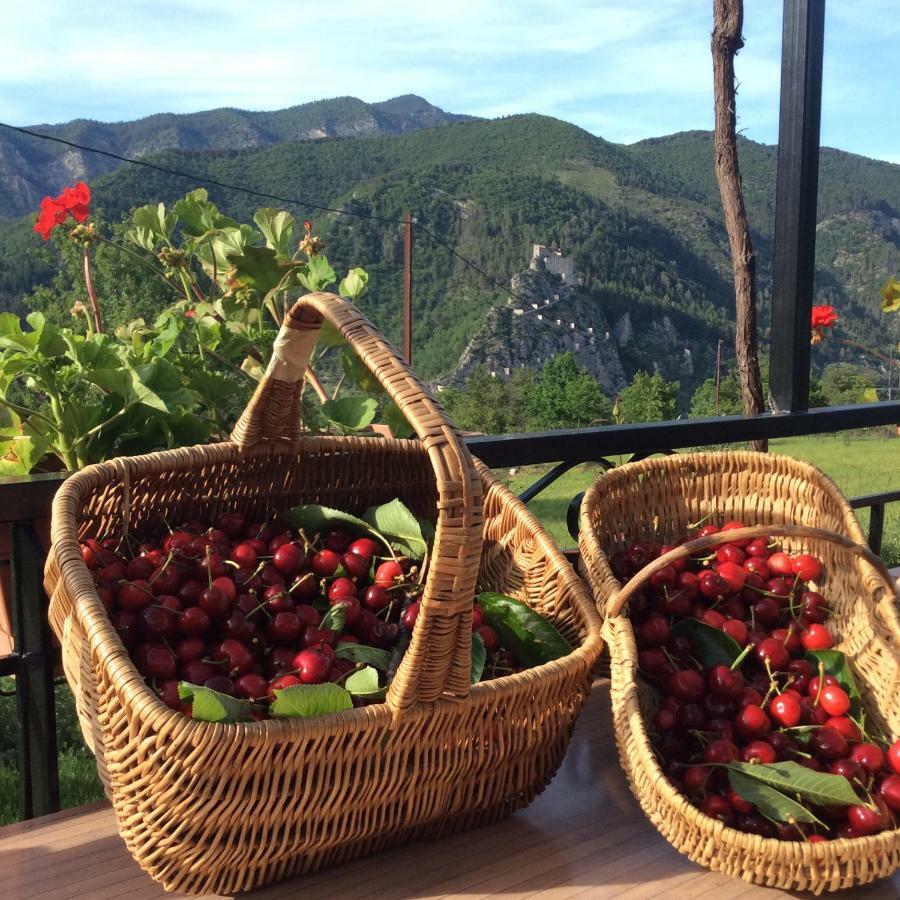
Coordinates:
[703,402]
[564,396]
[482,405]
[844,384]
[649,398]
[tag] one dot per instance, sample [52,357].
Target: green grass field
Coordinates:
[858,463]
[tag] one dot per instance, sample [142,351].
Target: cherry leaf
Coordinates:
[479,658]
[361,653]
[770,802]
[304,700]
[213,706]
[836,664]
[816,787]
[713,646]
[364,682]
[335,619]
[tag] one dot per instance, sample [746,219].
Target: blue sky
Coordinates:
[623,70]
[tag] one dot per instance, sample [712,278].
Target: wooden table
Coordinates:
[584,837]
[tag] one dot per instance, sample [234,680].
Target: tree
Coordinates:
[843,384]
[564,395]
[703,403]
[649,398]
[481,405]
[728,20]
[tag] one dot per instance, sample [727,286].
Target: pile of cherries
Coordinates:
[754,710]
[242,607]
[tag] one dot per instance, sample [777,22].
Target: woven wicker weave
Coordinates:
[225,807]
[657,499]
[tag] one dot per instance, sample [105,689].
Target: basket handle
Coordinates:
[622,597]
[438,661]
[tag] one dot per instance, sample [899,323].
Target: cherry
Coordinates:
[337,540]
[717,807]
[758,547]
[713,618]
[781,590]
[750,696]
[849,768]
[654,663]
[312,666]
[285,628]
[168,693]
[155,661]
[190,591]
[869,756]
[376,597]
[737,630]
[759,750]
[277,599]
[389,573]
[190,648]
[282,682]
[654,632]
[489,636]
[814,607]
[664,578]
[687,685]
[154,622]
[134,595]
[196,671]
[695,778]
[708,530]
[766,611]
[864,820]
[308,615]
[231,523]
[139,569]
[167,579]
[828,743]
[893,756]
[306,587]
[271,576]
[751,722]
[737,802]
[801,671]
[341,587]
[193,622]
[237,626]
[725,681]
[785,710]
[788,637]
[774,652]
[289,558]
[889,791]
[325,563]
[812,689]
[221,683]
[720,751]
[816,637]
[477,617]
[781,744]
[753,824]
[664,720]
[364,547]
[214,603]
[847,727]
[317,637]
[735,525]
[834,700]
[757,565]
[126,624]
[251,686]
[355,565]
[780,564]
[244,555]
[806,567]
[812,714]
[236,654]
[713,585]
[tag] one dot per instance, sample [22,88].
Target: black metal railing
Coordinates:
[23,501]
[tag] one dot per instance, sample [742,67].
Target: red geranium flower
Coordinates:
[55,210]
[823,316]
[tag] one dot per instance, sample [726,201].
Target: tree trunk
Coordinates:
[728,18]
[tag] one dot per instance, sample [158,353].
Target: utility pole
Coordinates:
[718,372]
[407,286]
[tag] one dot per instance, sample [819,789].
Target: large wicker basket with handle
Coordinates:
[657,499]
[224,807]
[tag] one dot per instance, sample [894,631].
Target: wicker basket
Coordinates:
[657,499]
[209,807]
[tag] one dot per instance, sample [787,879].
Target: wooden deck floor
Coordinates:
[584,837]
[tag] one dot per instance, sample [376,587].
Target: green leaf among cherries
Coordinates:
[712,645]
[530,637]
[395,522]
[212,706]
[816,787]
[770,802]
[305,700]
[363,683]
[361,653]
[479,658]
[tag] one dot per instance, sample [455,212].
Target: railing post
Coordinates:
[795,202]
[38,763]
[876,527]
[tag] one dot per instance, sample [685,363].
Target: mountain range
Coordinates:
[643,222]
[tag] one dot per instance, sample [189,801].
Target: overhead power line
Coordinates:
[297,201]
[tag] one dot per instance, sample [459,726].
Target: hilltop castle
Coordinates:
[553,260]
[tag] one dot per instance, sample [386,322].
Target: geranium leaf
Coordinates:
[396,421]
[354,284]
[353,413]
[304,700]
[712,645]
[317,274]
[212,706]
[277,227]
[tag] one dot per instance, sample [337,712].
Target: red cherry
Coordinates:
[738,803]
[850,769]
[713,585]
[828,743]
[289,559]
[707,530]
[816,637]
[785,710]
[889,791]
[864,820]
[155,661]
[847,727]
[282,682]
[806,567]
[813,689]
[737,630]
[337,540]
[654,632]
[893,756]
[355,565]
[687,685]
[214,603]
[695,778]
[388,573]
[720,751]
[251,686]
[197,672]
[489,636]
[245,556]
[236,655]
[759,750]
[734,525]
[814,607]
[869,756]
[285,628]
[193,622]
[312,666]
[725,681]
[834,700]
[767,611]
[351,607]
[757,565]
[717,807]
[325,563]
[341,587]
[664,578]
[774,652]
[376,597]
[780,564]
[134,595]
[364,546]
[411,614]
[226,586]
[751,722]
[713,617]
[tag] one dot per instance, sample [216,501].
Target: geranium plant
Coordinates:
[74,394]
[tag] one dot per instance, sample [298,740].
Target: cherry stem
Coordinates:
[740,657]
[821,683]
